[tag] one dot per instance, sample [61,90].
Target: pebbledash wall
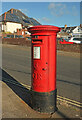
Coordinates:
[11,27]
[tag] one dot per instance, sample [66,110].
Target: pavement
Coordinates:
[16,96]
[15,101]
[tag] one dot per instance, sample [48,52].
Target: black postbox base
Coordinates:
[44,102]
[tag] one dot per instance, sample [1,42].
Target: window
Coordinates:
[16,36]
[62,40]
[66,40]
[8,36]
[80,39]
[29,38]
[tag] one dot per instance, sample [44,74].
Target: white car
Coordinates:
[75,40]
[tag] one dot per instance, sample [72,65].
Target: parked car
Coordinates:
[16,36]
[20,36]
[65,41]
[75,40]
[28,38]
[7,37]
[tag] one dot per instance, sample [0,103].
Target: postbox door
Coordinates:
[40,64]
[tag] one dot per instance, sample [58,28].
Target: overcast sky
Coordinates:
[48,13]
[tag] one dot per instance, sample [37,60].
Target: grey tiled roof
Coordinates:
[19,17]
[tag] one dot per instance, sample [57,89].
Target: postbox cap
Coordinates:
[44,28]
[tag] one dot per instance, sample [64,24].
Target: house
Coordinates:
[75,29]
[71,30]
[14,19]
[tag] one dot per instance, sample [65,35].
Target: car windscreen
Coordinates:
[66,40]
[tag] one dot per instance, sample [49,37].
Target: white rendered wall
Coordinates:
[3,27]
[11,27]
[75,30]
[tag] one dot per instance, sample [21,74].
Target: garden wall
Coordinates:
[63,47]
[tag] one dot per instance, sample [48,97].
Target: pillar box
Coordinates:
[44,91]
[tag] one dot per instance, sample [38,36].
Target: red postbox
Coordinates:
[43,86]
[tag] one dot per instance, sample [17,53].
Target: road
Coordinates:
[16,61]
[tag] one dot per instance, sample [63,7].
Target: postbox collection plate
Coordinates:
[36,52]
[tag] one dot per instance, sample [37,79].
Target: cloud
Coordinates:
[46,19]
[51,6]
[57,9]
[74,10]
[60,9]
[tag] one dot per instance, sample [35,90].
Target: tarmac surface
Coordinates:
[16,84]
[17,62]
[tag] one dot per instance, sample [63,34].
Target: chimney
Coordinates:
[80,25]
[5,16]
[65,26]
[17,31]
[12,11]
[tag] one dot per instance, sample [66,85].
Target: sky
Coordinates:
[48,13]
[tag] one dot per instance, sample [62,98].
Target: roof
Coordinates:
[18,17]
[70,29]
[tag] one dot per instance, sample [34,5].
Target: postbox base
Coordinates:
[44,102]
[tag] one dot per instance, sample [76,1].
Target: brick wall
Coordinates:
[70,47]
[63,47]
[16,41]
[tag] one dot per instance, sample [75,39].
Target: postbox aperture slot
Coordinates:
[35,36]
[36,41]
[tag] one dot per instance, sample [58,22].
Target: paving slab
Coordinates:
[16,107]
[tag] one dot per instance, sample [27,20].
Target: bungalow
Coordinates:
[14,19]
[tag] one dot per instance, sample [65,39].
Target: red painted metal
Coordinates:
[44,57]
